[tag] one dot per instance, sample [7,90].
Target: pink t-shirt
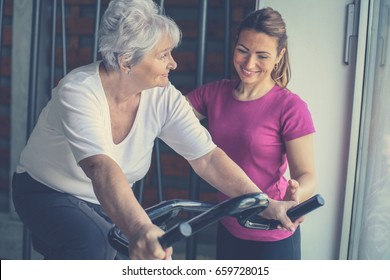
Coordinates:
[253,134]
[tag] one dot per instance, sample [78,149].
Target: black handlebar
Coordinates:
[175,234]
[257,222]
[165,211]
[244,208]
[252,203]
[160,214]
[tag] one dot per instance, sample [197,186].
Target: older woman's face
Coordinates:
[153,69]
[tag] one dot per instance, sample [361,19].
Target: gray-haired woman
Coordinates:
[95,137]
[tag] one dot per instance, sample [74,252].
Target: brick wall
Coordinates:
[80,27]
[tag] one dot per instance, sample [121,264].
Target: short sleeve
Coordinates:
[296,119]
[182,131]
[197,97]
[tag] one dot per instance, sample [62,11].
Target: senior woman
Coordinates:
[95,137]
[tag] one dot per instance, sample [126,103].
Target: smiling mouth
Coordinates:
[249,73]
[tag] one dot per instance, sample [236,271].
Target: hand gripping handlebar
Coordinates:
[244,208]
[257,222]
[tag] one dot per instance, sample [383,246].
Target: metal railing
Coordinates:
[1,24]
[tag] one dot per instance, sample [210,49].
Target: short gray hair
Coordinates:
[131,28]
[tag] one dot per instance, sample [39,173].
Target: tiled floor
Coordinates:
[11,233]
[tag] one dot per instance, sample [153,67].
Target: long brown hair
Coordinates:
[270,22]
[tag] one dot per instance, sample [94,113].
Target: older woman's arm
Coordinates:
[224,174]
[118,200]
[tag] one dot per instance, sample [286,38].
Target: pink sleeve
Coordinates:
[198,97]
[296,119]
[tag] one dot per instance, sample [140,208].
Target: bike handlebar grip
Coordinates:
[118,241]
[175,234]
[305,207]
[257,222]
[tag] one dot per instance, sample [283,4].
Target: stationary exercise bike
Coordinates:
[244,208]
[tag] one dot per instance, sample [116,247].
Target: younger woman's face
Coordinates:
[255,56]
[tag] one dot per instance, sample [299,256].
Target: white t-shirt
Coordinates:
[76,124]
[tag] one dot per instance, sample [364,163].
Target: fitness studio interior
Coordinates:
[340,57]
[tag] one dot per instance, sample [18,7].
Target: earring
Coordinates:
[128,72]
[276,66]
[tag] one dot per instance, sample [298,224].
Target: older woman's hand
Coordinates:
[144,244]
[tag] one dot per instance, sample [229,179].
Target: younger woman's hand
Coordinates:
[292,192]
[277,210]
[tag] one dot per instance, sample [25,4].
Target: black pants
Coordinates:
[230,247]
[62,226]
